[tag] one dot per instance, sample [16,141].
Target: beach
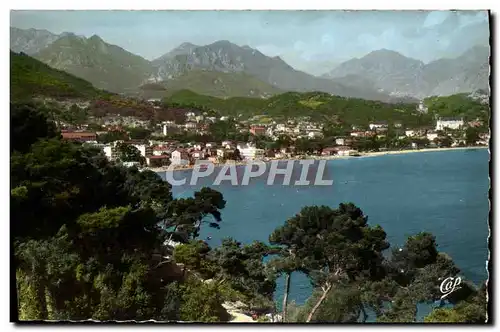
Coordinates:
[334,157]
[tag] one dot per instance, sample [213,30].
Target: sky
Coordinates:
[313,41]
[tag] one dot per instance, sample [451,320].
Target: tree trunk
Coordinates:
[285,297]
[316,306]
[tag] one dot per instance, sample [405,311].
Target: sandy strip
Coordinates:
[362,155]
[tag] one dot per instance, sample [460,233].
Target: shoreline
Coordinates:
[362,155]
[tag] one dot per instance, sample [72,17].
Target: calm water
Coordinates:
[445,193]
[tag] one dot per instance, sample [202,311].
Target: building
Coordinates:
[378,125]
[162,150]
[79,136]
[345,151]
[258,130]
[180,157]
[410,133]
[314,133]
[250,152]
[191,125]
[422,108]
[210,145]
[157,161]
[432,135]
[166,126]
[451,123]
[329,151]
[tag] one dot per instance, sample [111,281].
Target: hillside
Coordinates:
[460,105]
[222,85]
[106,66]
[30,77]
[317,105]
[224,56]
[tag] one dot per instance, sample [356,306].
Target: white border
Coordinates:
[192,4]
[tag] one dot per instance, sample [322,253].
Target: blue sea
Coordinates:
[442,192]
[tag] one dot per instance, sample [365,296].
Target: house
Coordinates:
[210,145]
[157,161]
[340,141]
[248,151]
[345,151]
[475,123]
[432,135]
[224,118]
[197,154]
[190,125]
[378,125]
[162,150]
[362,133]
[180,157]
[131,163]
[410,133]
[227,144]
[109,151]
[329,151]
[79,136]
[258,130]
[451,123]
[314,133]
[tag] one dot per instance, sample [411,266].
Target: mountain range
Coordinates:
[224,69]
[396,74]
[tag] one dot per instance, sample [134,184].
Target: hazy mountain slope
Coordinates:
[30,77]
[224,56]
[30,41]
[106,66]
[466,73]
[221,84]
[389,70]
[397,74]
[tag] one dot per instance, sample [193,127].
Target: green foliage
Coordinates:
[128,153]
[472,135]
[112,136]
[139,133]
[319,106]
[86,234]
[30,77]
[458,105]
[27,126]
[194,256]
[470,311]
[342,305]
[201,302]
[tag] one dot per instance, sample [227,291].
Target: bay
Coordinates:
[442,192]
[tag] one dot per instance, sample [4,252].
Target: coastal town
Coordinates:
[241,167]
[291,139]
